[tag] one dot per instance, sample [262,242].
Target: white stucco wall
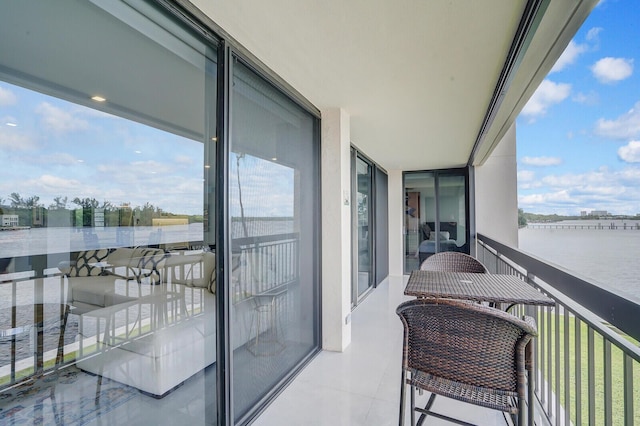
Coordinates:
[496,192]
[336,229]
[396,223]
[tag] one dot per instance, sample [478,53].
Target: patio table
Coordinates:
[492,288]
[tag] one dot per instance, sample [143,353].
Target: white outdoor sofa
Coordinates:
[151,337]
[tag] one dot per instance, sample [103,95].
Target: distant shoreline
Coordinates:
[14,228]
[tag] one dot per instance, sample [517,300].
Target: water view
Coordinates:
[608,256]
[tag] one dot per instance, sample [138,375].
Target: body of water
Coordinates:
[607,257]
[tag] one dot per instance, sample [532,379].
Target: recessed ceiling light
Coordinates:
[11,124]
[214,139]
[274,159]
[206,166]
[98,98]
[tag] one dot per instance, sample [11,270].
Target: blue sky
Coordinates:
[578,138]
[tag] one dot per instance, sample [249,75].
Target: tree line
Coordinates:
[82,212]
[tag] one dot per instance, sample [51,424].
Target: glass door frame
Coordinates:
[356,296]
[465,172]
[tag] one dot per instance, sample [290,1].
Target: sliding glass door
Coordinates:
[107,285]
[159,253]
[436,214]
[274,215]
[362,226]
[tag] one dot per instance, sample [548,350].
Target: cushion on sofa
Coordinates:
[209,270]
[444,235]
[97,292]
[149,263]
[85,263]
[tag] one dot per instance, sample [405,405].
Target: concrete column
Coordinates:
[336,229]
[396,223]
[496,185]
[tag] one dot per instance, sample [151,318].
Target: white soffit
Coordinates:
[416,77]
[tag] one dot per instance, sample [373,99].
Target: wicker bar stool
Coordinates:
[453,261]
[468,352]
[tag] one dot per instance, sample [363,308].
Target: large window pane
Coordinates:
[107,298]
[453,213]
[420,218]
[436,216]
[363,228]
[273,193]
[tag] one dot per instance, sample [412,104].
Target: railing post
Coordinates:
[567,384]
[628,391]
[558,359]
[608,393]
[592,376]
[578,370]
[549,366]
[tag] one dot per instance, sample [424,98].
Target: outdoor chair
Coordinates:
[468,352]
[452,261]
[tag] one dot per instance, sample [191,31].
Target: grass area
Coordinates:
[617,371]
[29,371]
[123,334]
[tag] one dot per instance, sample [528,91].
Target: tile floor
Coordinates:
[361,386]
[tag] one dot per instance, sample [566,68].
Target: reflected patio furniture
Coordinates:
[468,352]
[452,261]
[21,320]
[268,339]
[153,343]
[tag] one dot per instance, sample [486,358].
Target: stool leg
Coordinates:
[403,392]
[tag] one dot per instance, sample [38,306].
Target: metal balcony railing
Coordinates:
[587,356]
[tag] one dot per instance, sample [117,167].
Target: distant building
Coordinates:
[9,220]
[37,216]
[583,213]
[599,213]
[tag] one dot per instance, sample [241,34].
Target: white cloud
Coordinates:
[55,159]
[12,139]
[526,175]
[627,126]
[58,120]
[593,34]
[547,198]
[610,70]
[541,161]
[184,160]
[7,97]
[630,153]
[569,56]
[527,180]
[616,191]
[548,94]
[590,98]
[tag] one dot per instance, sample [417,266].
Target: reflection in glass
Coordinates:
[435,215]
[452,213]
[107,297]
[273,187]
[363,242]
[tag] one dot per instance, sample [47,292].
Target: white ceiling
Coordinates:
[415,76]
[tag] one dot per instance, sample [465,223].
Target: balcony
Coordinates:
[585,359]
[580,358]
[361,386]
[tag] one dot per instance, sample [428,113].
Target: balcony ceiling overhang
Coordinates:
[416,77]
